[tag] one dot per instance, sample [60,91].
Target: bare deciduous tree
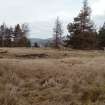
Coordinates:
[58,31]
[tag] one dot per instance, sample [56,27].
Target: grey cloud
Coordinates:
[41,14]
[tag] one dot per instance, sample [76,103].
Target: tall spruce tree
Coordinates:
[101,37]
[82,32]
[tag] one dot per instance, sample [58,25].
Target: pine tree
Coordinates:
[101,37]
[36,45]
[57,33]
[5,36]
[7,41]
[17,35]
[2,34]
[82,32]
[25,42]
[12,37]
[20,36]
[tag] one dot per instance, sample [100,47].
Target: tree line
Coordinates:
[14,36]
[82,32]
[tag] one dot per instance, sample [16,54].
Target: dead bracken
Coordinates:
[75,79]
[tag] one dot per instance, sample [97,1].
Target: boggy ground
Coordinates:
[51,77]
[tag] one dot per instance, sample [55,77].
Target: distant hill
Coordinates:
[41,42]
[44,42]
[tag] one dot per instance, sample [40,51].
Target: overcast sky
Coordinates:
[41,14]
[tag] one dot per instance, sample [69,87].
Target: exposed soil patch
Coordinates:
[32,56]
[3,52]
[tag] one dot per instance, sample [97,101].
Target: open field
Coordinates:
[51,77]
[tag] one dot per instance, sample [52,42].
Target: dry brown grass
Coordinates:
[56,78]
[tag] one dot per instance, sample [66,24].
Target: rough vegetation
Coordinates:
[60,78]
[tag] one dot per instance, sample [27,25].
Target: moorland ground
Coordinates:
[30,76]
